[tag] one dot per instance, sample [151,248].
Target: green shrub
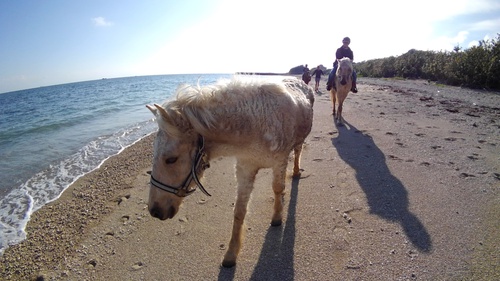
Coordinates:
[476,67]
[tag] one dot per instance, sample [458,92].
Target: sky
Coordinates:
[52,42]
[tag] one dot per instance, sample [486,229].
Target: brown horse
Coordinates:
[258,123]
[343,83]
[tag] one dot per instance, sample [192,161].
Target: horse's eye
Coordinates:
[171,160]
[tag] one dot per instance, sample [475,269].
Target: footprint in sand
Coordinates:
[342,180]
[474,156]
[393,157]
[466,175]
[137,265]
[341,249]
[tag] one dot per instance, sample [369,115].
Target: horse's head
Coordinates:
[178,160]
[344,70]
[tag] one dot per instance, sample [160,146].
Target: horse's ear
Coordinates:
[152,109]
[162,111]
[159,111]
[165,121]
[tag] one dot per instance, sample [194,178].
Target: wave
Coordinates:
[48,185]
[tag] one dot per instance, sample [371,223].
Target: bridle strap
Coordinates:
[198,183]
[179,191]
[183,191]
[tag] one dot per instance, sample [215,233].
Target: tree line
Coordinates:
[475,67]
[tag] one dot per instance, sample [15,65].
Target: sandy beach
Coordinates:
[408,189]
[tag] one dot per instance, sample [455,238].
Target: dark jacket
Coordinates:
[318,72]
[342,53]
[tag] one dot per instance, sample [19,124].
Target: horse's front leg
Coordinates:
[342,97]
[279,174]
[341,106]
[333,98]
[245,177]
[339,113]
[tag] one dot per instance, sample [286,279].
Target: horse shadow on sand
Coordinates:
[387,196]
[276,258]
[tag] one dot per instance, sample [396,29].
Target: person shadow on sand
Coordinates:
[387,196]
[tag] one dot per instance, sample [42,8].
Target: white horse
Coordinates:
[343,83]
[259,123]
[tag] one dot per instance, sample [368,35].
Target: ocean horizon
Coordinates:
[50,136]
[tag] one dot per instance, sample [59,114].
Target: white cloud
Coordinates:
[274,36]
[475,30]
[100,21]
[492,24]
[445,43]
[473,43]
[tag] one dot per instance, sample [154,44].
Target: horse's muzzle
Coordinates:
[162,214]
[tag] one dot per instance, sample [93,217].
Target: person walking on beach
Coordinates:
[317,77]
[342,52]
[306,76]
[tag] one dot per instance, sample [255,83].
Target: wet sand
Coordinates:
[408,189]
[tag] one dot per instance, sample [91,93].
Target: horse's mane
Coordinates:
[200,107]
[345,62]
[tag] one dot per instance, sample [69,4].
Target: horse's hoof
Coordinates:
[276,222]
[229,259]
[228,264]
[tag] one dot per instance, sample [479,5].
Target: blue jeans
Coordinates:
[334,70]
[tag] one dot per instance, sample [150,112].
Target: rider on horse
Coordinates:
[342,52]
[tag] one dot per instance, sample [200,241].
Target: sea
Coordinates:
[51,136]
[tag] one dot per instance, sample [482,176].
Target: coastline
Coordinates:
[57,229]
[440,168]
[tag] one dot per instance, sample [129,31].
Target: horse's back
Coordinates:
[295,90]
[291,94]
[285,119]
[272,115]
[287,110]
[299,89]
